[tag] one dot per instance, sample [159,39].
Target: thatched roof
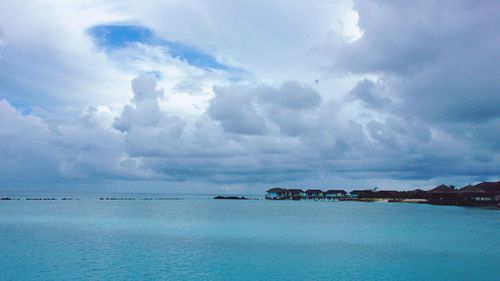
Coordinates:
[490,187]
[335,191]
[442,189]
[471,189]
[295,190]
[313,191]
[276,190]
[359,191]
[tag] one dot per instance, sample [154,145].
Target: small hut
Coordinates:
[276,193]
[295,194]
[356,193]
[444,195]
[333,194]
[483,193]
[443,188]
[314,194]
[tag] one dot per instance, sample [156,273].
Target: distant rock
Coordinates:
[231,197]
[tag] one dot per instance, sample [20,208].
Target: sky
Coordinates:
[210,96]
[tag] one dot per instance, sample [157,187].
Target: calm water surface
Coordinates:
[204,239]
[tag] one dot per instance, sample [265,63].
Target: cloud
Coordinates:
[53,151]
[54,64]
[435,100]
[144,122]
[291,95]
[411,99]
[369,93]
[436,57]
[246,136]
[250,110]
[236,112]
[435,67]
[271,40]
[25,151]
[150,144]
[50,64]
[2,37]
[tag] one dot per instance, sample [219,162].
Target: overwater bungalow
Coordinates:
[356,193]
[314,194]
[276,193]
[474,193]
[485,193]
[295,194]
[444,195]
[333,194]
[443,188]
[491,187]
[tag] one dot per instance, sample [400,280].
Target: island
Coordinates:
[230,197]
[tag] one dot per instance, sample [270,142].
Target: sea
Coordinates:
[185,237]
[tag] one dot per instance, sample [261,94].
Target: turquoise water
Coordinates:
[204,239]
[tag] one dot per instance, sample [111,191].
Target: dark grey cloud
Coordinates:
[369,93]
[438,57]
[403,37]
[436,102]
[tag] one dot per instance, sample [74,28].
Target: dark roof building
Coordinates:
[295,194]
[471,189]
[276,190]
[276,193]
[485,193]
[490,187]
[484,188]
[313,191]
[358,191]
[442,189]
[335,191]
[295,190]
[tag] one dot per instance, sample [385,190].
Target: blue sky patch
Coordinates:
[116,36]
